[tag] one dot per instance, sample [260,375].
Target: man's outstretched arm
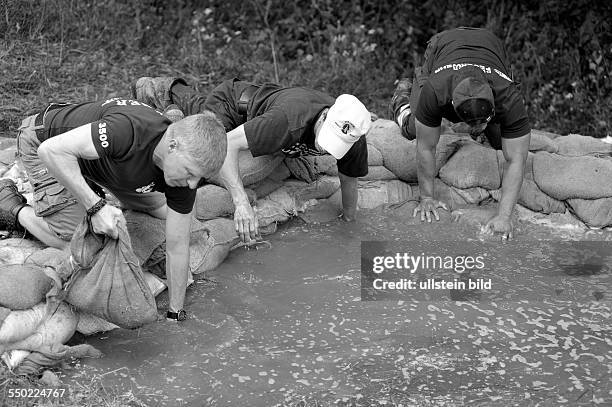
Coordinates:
[244,217]
[515,152]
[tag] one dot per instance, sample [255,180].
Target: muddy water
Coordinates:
[286,323]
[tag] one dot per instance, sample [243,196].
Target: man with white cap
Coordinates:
[465,78]
[267,119]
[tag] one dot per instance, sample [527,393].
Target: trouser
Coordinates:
[52,201]
[421,75]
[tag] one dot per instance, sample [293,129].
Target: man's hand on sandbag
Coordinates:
[499,224]
[427,206]
[246,222]
[105,221]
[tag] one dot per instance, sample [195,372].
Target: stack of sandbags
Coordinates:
[399,154]
[34,324]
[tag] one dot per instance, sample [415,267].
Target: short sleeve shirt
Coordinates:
[283,119]
[462,48]
[125,134]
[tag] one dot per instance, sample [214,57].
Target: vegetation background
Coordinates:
[79,50]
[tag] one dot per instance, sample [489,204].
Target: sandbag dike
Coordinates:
[469,175]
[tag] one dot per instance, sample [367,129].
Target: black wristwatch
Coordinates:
[176,316]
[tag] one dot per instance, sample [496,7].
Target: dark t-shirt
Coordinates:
[469,48]
[282,119]
[125,134]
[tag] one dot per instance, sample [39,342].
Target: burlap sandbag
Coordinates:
[577,145]
[213,201]
[378,173]
[213,242]
[596,213]
[472,166]
[21,324]
[322,188]
[22,286]
[16,250]
[253,169]
[533,198]
[573,177]
[399,154]
[372,194]
[110,284]
[374,156]
[266,186]
[540,142]
[456,197]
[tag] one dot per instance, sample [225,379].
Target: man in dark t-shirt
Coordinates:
[267,119]
[149,163]
[465,78]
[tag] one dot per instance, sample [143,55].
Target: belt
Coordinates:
[39,121]
[245,97]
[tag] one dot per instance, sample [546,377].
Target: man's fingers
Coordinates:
[435,213]
[416,210]
[443,206]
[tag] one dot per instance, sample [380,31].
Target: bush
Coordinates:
[561,51]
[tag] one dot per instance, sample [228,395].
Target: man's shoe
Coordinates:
[154,92]
[11,202]
[401,97]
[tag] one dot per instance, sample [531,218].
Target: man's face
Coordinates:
[181,170]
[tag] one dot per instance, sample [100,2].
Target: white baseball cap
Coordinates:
[347,120]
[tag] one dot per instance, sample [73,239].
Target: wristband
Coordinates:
[96,207]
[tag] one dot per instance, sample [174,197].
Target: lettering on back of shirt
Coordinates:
[126,102]
[485,69]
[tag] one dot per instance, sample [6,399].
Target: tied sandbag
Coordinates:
[472,166]
[596,213]
[540,142]
[21,324]
[573,177]
[111,285]
[16,250]
[531,197]
[456,197]
[371,194]
[378,173]
[277,207]
[302,191]
[212,241]
[577,145]
[254,169]
[399,154]
[22,286]
[213,201]
[90,324]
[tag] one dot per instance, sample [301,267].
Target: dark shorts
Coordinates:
[51,201]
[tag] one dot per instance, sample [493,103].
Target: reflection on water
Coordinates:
[287,323]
